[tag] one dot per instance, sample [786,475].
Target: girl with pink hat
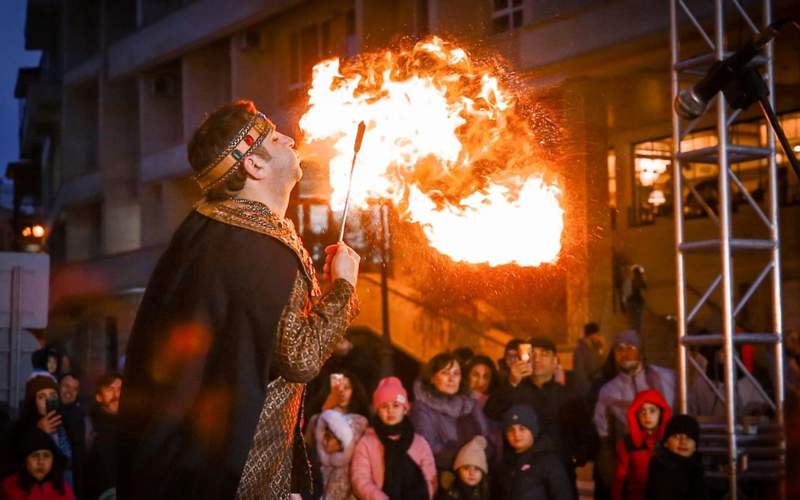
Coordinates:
[392,445]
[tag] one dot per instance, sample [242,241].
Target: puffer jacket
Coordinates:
[537,474]
[10,490]
[448,423]
[367,468]
[672,476]
[636,449]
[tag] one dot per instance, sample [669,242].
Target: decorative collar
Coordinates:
[257,217]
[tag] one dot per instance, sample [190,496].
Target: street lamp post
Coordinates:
[387,354]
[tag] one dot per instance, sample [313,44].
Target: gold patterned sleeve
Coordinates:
[307,332]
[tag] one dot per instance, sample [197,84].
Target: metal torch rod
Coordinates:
[356,148]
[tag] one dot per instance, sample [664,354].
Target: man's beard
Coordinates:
[629,367]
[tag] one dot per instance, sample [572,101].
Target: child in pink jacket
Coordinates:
[391,444]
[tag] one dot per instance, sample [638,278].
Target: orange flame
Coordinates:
[446,143]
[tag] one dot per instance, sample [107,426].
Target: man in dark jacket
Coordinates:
[232,326]
[101,461]
[562,413]
[68,389]
[588,358]
[531,470]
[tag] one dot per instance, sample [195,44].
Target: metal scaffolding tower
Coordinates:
[744,449]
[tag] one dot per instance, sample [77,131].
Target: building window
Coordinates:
[507,15]
[422,19]
[788,183]
[611,160]
[612,178]
[351,34]
[653,182]
[652,168]
[308,46]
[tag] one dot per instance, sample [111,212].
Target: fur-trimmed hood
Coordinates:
[346,427]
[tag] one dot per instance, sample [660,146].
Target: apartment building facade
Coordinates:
[123,84]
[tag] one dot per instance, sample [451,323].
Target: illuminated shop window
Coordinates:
[611,161]
[652,168]
[653,181]
[788,184]
[612,178]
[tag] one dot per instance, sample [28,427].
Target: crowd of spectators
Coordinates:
[468,427]
[56,449]
[518,428]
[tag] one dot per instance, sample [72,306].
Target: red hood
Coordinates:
[651,396]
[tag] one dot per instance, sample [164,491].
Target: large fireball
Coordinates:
[446,144]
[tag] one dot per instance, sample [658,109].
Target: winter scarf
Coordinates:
[455,406]
[404,478]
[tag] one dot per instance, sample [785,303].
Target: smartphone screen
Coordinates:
[525,352]
[53,404]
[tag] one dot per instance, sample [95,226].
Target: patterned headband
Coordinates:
[249,138]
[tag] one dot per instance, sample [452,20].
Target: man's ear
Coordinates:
[97,398]
[255,169]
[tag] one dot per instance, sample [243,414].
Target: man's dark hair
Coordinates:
[213,136]
[68,374]
[107,379]
[437,363]
[543,343]
[590,328]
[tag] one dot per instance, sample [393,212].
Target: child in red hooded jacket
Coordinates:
[647,417]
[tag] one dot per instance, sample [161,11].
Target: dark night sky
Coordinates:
[13,55]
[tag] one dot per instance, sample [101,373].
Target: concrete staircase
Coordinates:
[418,330]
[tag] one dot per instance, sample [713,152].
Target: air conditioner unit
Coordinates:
[250,40]
[163,86]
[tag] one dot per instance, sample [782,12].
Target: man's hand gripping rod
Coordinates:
[356,148]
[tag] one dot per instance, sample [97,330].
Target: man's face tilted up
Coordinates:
[281,160]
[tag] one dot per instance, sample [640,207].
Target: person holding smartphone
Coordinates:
[535,380]
[42,409]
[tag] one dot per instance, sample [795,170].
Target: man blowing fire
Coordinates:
[230,329]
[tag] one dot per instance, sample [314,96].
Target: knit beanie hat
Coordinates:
[390,389]
[473,453]
[38,383]
[35,440]
[683,424]
[628,337]
[521,415]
